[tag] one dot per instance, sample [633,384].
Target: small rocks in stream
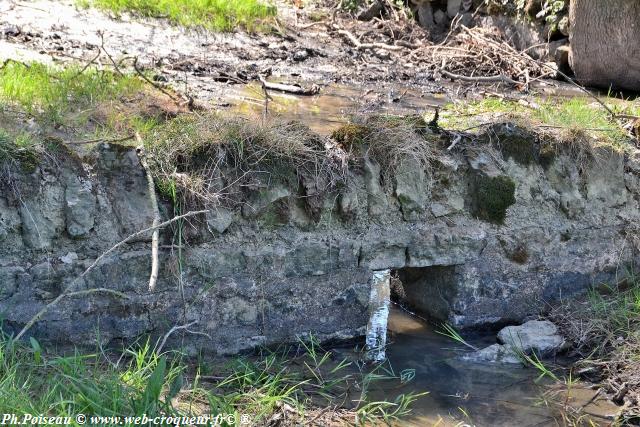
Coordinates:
[536,336]
[495,353]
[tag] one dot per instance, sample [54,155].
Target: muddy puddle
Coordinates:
[334,104]
[466,393]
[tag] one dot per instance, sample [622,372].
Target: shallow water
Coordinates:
[465,393]
[335,103]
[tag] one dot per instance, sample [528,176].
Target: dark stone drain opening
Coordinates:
[427,291]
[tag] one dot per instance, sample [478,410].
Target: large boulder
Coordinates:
[605,43]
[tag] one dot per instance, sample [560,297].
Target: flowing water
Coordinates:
[334,104]
[465,393]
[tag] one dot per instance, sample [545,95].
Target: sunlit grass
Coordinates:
[560,114]
[147,381]
[214,15]
[52,94]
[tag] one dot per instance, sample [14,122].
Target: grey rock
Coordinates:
[439,17]
[300,55]
[69,258]
[376,197]
[42,217]
[263,198]
[411,188]
[80,205]
[8,280]
[538,336]
[219,219]
[495,353]
[453,7]
[373,10]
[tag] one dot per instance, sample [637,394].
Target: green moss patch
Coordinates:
[492,197]
[515,143]
[350,135]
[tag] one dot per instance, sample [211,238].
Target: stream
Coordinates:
[466,393]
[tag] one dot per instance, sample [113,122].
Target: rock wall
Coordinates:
[492,233]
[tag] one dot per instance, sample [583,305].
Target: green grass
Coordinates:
[214,15]
[574,114]
[297,380]
[19,149]
[57,95]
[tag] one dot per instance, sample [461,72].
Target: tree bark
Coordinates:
[605,43]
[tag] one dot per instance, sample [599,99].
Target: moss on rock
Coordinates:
[493,195]
[516,143]
[350,135]
[547,155]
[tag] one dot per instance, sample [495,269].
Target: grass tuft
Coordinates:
[21,150]
[214,15]
[295,384]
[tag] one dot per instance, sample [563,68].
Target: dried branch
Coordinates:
[46,308]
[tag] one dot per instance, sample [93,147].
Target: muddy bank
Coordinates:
[489,235]
[312,46]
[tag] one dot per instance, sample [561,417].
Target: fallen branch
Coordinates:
[46,308]
[70,292]
[152,83]
[363,46]
[501,78]
[155,236]
[96,140]
[138,234]
[293,89]
[177,328]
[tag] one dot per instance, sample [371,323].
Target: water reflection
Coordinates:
[461,392]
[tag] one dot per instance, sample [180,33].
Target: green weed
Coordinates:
[296,381]
[450,332]
[20,149]
[214,15]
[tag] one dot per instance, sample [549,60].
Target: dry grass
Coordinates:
[392,141]
[207,159]
[212,159]
[604,329]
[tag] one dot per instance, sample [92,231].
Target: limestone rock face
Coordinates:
[287,259]
[80,206]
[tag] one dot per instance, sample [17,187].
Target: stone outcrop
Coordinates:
[535,337]
[483,237]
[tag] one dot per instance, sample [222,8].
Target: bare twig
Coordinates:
[171,331]
[155,236]
[480,79]
[362,46]
[138,234]
[152,83]
[46,308]
[293,89]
